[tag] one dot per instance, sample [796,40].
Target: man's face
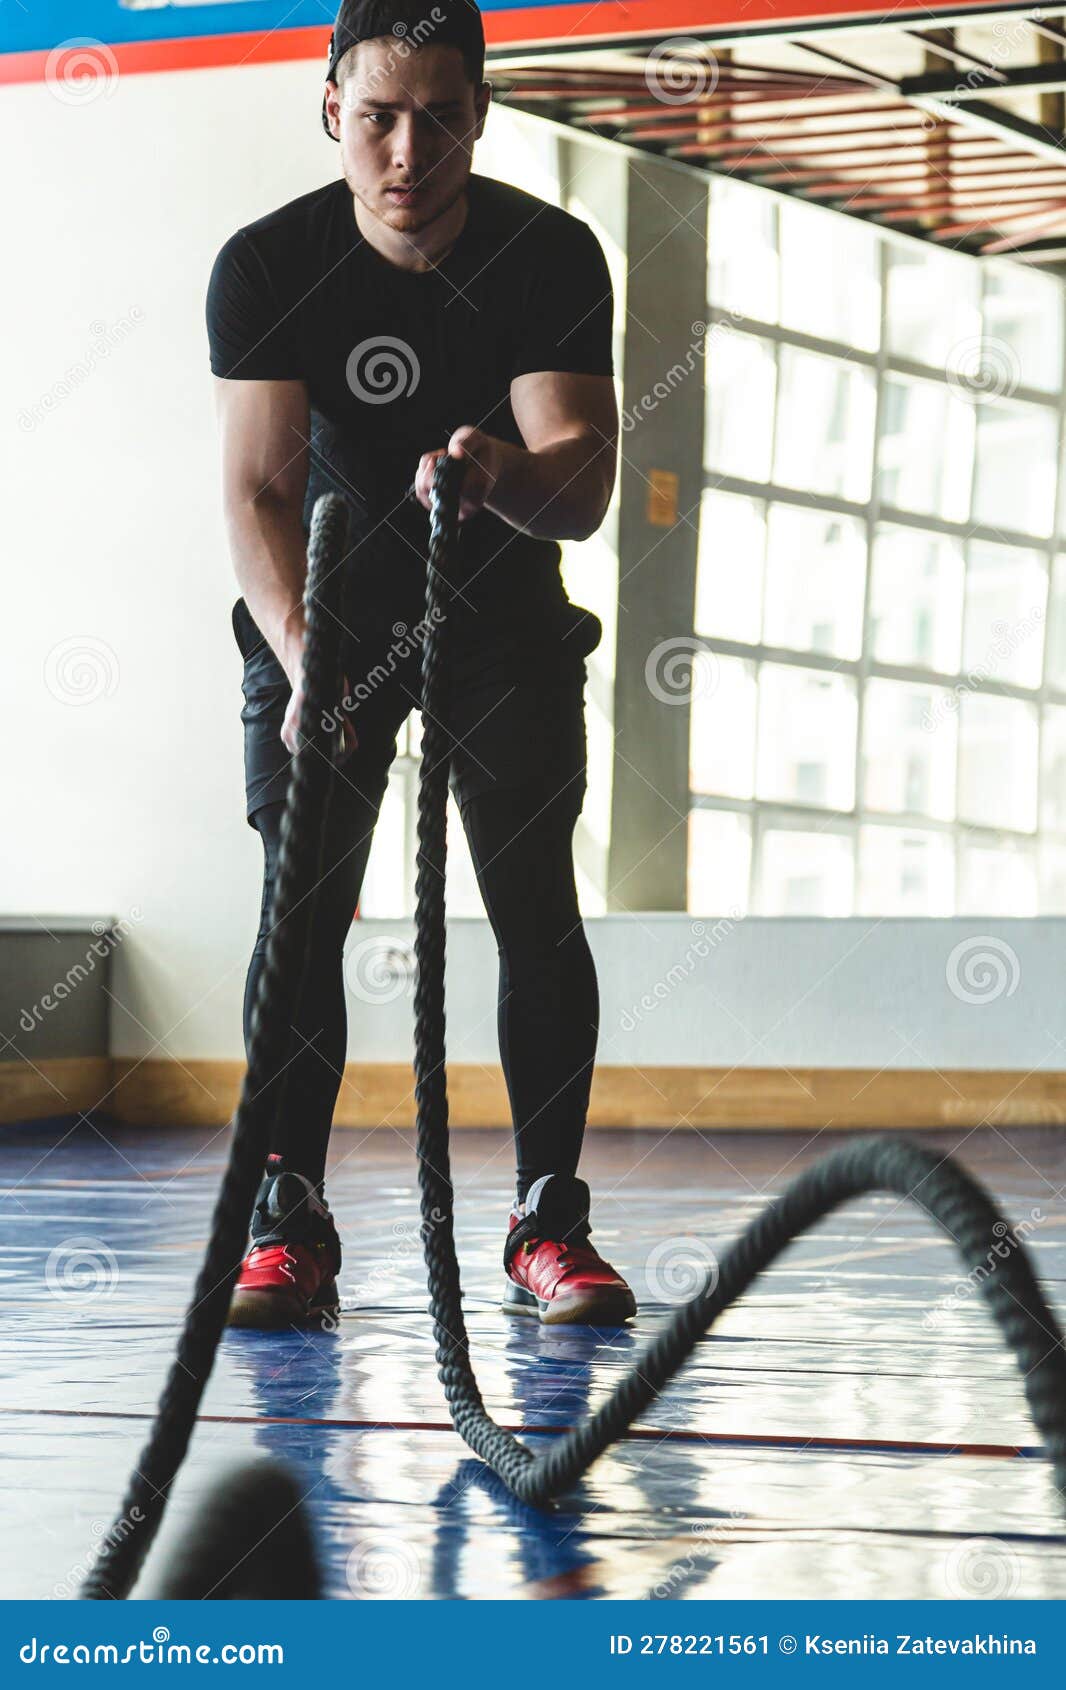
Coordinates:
[406,117]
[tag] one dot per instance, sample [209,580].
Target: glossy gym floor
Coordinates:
[854,1425]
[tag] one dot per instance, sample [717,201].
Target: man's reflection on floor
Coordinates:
[399,1510]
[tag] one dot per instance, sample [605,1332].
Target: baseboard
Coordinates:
[58,1085]
[195,1093]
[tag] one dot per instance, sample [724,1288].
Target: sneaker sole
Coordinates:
[273,1311]
[594,1308]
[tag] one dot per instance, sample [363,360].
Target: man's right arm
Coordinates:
[264,428]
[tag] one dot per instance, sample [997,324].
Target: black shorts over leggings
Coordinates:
[514,715]
[516,720]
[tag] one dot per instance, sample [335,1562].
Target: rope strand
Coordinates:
[122,1551]
[937,1184]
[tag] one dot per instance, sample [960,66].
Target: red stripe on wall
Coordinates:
[565,25]
[138,58]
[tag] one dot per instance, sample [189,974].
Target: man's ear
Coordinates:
[333,116]
[482,101]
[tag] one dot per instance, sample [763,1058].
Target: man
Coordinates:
[410,309]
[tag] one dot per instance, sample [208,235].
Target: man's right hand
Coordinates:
[292,663]
[264,487]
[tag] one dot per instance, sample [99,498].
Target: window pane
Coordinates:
[719,860]
[1014,485]
[997,762]
[925,454]
[996,880]
[806,873]
[904,872]
[741,250]
[1053,769]
[933,303]
[1006,596]
[830,275]
[1056,627]
[806,752]
[815,577]
[741,378]
[916,599]
[722,726]
[909,735]
[825,425]
[409,740]
[385,883]
[729,568]
[1023,314]
[461,887]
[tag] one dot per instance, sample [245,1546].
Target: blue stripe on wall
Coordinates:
[30,28]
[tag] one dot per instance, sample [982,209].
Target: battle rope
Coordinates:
[250,1539]
[122,1551]
[935,1183]
[996,1258]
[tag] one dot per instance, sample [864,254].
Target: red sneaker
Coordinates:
[289,1276]
[553,1272]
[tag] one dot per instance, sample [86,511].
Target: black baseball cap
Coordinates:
[449,23]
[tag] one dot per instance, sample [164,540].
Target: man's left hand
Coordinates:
[483,459]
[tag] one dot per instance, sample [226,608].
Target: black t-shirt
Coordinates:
[396,360]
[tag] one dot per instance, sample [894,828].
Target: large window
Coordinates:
[877,722]
[880,727]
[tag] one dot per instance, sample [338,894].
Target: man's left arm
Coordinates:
[559,485]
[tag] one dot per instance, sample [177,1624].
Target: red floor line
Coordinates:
[639,1434]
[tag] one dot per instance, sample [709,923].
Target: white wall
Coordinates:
[784,992]
[111,519]
[112,535]
[119,585]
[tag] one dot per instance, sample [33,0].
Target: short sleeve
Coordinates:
[569,315]
[249,333]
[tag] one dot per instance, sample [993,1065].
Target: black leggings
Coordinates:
[521,843]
